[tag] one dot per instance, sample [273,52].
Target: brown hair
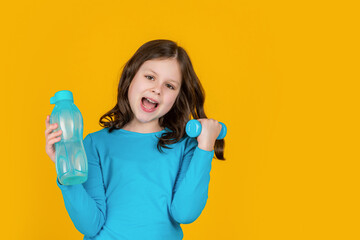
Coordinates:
[190,99]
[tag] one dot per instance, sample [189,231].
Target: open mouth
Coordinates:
[148,104]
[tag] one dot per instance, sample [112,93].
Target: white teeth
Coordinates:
[150,100]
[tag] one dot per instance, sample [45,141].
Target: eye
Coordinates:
[151,78]
[148,76]
[170,86]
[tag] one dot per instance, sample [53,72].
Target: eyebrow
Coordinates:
[158,75]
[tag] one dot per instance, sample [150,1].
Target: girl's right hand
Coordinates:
[51,138]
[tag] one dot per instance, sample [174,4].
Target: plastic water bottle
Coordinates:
[70,157]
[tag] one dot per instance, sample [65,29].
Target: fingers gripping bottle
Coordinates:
[70,157]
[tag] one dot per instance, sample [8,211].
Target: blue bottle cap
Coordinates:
[62,95]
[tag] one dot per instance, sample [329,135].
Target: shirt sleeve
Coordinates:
[85,203]
[191,187]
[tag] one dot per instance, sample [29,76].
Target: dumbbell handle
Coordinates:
[193,129]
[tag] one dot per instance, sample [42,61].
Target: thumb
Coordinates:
[200,119]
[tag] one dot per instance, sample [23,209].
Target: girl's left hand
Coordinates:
[210,130]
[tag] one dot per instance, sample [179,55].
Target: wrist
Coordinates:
[206,147]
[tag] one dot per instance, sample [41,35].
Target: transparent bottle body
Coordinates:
[70,157]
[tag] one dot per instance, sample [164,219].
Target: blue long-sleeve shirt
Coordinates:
[135,192]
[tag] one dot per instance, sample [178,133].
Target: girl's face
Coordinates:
[159,80]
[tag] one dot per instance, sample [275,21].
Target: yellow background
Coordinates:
[282,75]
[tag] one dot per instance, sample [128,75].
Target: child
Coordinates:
[145,175]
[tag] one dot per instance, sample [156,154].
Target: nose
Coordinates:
[156,90]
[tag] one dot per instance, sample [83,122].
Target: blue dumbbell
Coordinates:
[193,129]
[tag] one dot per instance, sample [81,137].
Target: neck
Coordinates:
[142,127]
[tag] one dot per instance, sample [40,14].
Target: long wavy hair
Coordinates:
[189,102]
